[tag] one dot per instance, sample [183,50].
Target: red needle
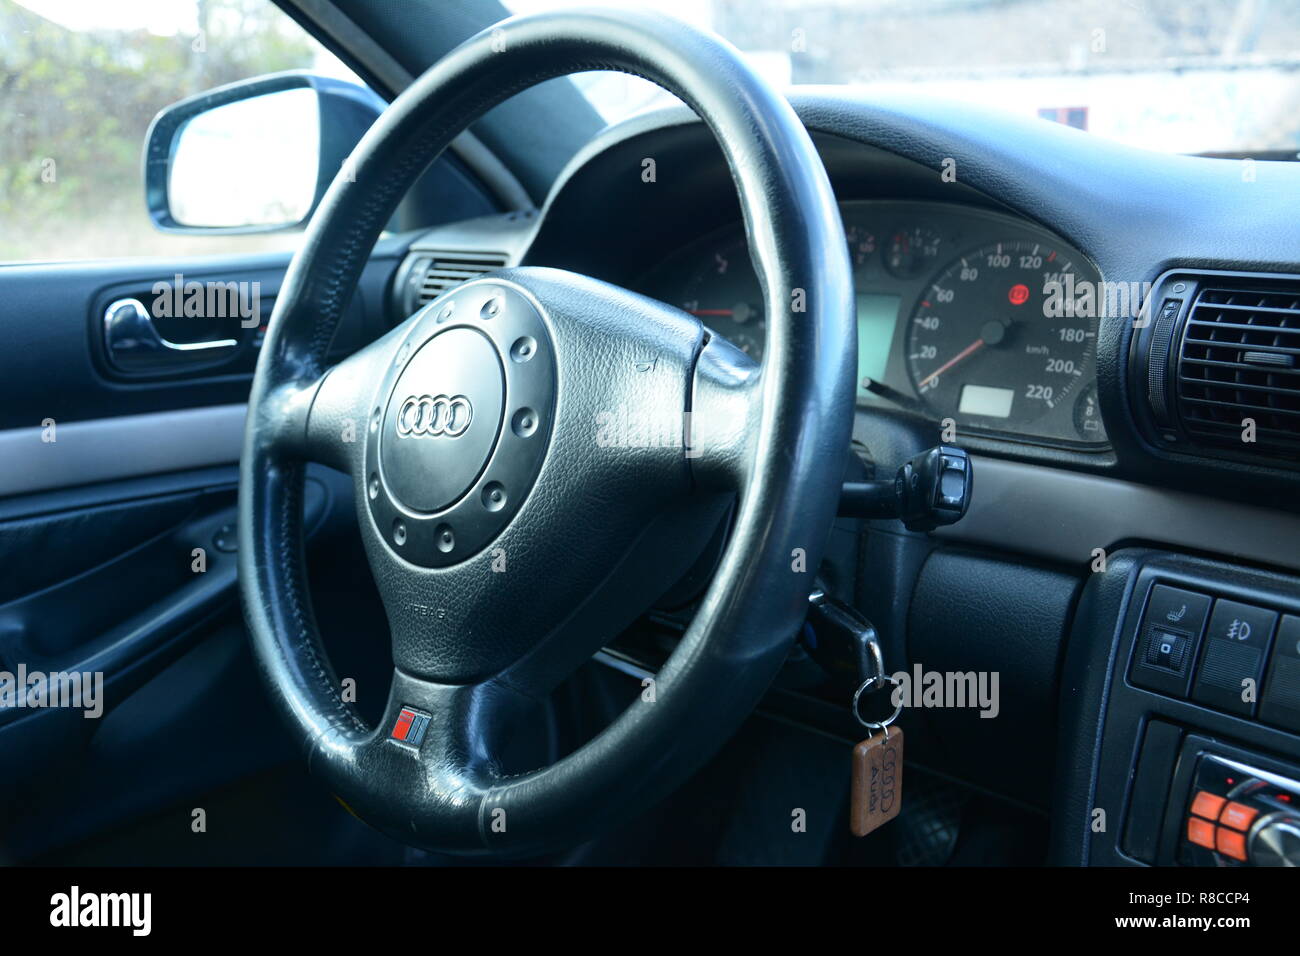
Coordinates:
[711,311]
[968,350]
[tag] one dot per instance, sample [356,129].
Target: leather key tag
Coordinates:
[877,781]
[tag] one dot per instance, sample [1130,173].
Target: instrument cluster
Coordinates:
[962,314]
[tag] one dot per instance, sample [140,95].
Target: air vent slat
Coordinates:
[1245,407]
[1250,309]
[1243,376]
[1194,322]
[451,273]
[1231,432]
[1240,366]
[1240,359]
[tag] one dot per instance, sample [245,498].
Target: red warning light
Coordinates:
[1019,294]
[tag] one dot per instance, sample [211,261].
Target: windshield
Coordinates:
[1184,76]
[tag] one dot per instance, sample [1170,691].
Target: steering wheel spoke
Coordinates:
[436,752]
[325,419]
[726,403]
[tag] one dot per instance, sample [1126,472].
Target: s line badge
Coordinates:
[410,727]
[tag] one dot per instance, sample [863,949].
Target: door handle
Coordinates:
[134,344]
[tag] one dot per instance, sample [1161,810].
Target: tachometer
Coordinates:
[995,340]
[724,293]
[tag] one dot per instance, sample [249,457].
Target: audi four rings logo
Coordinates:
[431,416]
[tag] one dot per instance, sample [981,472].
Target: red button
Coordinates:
[1200,832]
[1231,843]
[1207,805]
[1238,816]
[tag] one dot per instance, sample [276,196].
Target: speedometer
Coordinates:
[996,339]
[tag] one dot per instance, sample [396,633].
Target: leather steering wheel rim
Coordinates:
[773,440]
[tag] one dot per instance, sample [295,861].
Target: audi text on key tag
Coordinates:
[877,787]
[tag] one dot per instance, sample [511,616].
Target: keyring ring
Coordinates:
[872,682]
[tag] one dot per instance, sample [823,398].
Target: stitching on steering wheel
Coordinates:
[307,634]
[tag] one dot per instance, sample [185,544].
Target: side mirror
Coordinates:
[255,156]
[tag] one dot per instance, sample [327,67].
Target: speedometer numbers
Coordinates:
[989,342]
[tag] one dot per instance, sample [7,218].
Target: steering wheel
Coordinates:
[537,456]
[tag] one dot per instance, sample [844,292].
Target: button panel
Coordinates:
[1221,653]
[1214,822]
[1239,814]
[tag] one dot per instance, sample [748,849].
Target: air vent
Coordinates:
[1239,362]
[434,273]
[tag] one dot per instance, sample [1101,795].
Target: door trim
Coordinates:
[129,446]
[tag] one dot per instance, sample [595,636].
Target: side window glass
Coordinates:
[80,82]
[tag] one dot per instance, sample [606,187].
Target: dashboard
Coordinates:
[969,317]
[1107,439]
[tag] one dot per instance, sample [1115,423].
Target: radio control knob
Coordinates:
[1275,841]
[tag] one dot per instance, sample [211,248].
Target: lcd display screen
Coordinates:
[877,322]
[986,400]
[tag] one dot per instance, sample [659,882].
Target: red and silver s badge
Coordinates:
[410,727]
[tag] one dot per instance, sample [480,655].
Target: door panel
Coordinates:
[118,552]
[111,589]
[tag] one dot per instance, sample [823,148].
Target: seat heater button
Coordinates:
[1166,649]
[1177,609]
[1167,640]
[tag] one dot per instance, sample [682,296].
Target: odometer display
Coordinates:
[992,322]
